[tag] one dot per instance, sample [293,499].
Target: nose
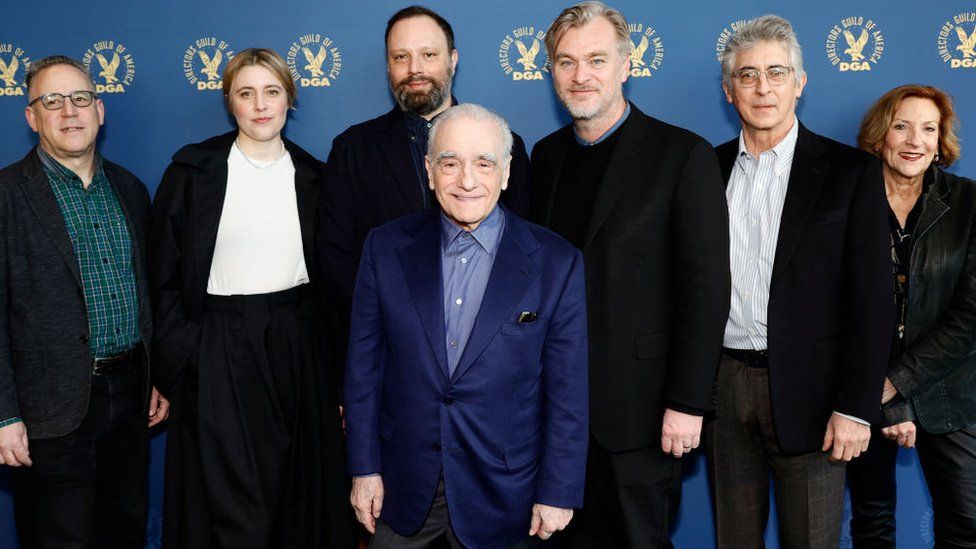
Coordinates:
[468,181]
[68,109]
[912,138]
[414,65]
[259,102]
[762,86]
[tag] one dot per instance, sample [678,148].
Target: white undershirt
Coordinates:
[259,240]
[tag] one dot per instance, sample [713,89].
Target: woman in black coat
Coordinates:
[929,395]
[254,449]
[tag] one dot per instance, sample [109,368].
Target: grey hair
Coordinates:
[36,67]
[580,15]
[471,111]
[767,28]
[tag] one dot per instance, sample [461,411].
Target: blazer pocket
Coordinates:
[522,454]
[387,426]
[524,328]
[648,346]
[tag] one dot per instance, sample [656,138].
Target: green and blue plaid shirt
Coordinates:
[102,243]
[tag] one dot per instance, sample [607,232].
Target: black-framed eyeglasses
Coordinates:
[775,75]
[54,101]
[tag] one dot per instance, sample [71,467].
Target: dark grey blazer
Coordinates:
[45,364]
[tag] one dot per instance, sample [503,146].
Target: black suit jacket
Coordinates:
[183,233]
[370,179]
[45,362]
[830,309]
[657,275]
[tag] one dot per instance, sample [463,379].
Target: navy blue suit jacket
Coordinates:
[509,428]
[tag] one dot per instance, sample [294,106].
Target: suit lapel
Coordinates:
[511,274]
[208,204]
[393,147]
[935,205]
[806,178]
[306,195]
[421,261]
[624,163]
[45,207]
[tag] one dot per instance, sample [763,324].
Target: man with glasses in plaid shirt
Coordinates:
[75,325]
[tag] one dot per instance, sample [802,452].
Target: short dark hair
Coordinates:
[36,67]
[420,11]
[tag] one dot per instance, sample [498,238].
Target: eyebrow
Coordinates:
[490,157]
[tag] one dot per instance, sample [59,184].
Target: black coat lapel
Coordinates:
[37,188]
[936,204]
[807,174]
[421,261]
[554,172]
[307,171]
[394,148]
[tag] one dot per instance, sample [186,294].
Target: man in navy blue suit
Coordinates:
[466,382]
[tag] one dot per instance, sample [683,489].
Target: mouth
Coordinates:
[72,129]
[262,120]
[461,198]
[910,156]
[415,82]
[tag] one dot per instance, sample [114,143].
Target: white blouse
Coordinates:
[259,239]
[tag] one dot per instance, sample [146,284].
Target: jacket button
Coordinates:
[83,338]
[448,401]
[436,447]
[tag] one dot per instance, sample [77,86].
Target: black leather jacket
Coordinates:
[936,374]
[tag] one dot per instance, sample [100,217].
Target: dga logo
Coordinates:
[202,60]
[723,37]
[314,60]
[13,66]
[114,68]
[864,44]
[527,60]
[648,50]
[957,41]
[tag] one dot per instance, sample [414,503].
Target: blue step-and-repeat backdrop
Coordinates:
[157,66]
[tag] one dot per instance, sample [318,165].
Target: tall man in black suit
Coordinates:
[643,201]
[808,333]
[375,172]
[74,326]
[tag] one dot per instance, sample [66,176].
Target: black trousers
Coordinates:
[949,464]
[630,499]
[871,481]
[89,488]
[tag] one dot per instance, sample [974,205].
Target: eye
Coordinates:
[430,54]
[53,100]
[244,94]
[598,61]
[399,56]
[274,92]
[566,64]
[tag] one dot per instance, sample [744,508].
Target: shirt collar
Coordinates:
[63,172]
[415,122]
[783,151]
[608,133]
[487,234]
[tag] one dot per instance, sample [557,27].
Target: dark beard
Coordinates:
[419,102]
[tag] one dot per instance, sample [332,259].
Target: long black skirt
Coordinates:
[255,455]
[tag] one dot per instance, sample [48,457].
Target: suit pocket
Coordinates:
[30,379]
[648,346]
[522,454]
[524,328]
[387,426]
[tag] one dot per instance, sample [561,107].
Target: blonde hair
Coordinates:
[263,57]
[580,15]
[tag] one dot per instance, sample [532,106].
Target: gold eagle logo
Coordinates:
[855,46]
[528,55]
[637,52]
[314,61]
[966,43]
[210,65]
[7,72]
[109,69]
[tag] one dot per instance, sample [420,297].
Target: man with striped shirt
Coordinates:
[74,326]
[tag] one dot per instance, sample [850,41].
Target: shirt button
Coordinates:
[413,138]
[428,124]
[454,344]
[458,301]
[464,260]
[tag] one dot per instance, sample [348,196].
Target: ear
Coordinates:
[728,92]
[506,172]
[100,108]
[430,172]
[454,60]
[626,70]
[31,117]
[801,81]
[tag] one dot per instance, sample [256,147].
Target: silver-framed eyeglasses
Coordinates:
[453,165]
[775,75]
[54,101]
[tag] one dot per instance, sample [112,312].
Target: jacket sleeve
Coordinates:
[517,196]
[337,235]
[364,371]
[702,281]
[9,407]
[564,380]
[866,339]
[175,336]
[950,340]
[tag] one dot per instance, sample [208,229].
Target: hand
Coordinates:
[680,432]
[547,519]
[889,392]
[13,445]
[902,433]
[367,500]
[848,438]
[158,408]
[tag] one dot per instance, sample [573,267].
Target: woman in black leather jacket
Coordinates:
[929,395]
